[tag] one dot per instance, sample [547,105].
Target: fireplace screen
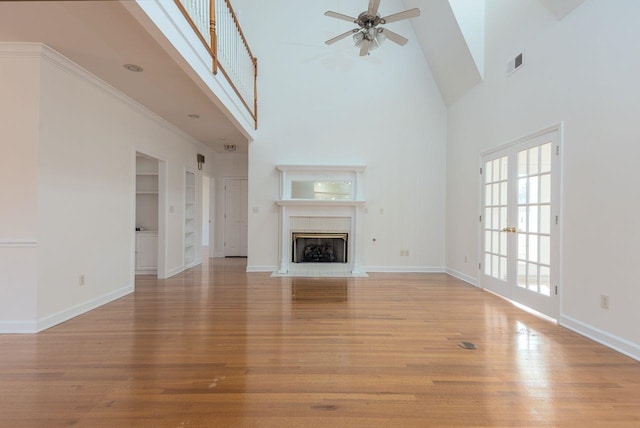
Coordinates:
[319,247]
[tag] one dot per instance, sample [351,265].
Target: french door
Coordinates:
[519,222]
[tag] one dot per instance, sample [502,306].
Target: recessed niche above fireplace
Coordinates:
[328,183]
[324,190]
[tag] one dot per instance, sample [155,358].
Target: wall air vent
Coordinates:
[515,63]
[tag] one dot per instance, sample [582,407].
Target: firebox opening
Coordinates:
[319,247]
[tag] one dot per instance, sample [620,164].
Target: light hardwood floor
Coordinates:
[216,347]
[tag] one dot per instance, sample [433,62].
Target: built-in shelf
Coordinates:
[146,260]
[189,217]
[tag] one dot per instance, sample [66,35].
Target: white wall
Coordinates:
[580,71]
[85,171]
[19,89]
[326,105]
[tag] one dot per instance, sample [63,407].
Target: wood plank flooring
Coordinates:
[216,347]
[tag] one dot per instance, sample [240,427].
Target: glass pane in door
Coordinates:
[534,219]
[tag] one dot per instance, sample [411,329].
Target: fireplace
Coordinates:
[319,247]
[321,209]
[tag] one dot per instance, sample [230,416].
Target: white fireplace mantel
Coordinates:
[319,203]
[322,209]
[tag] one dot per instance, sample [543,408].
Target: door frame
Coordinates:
[162,211]
[559,128]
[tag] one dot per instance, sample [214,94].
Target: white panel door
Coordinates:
[520,215]
[146,252]
[235,217]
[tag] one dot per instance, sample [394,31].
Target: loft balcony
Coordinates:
[198,71]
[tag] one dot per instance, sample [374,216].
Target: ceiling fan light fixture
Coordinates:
[369,36]
[380,38]
[358,38]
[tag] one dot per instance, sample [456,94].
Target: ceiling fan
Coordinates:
[369,36]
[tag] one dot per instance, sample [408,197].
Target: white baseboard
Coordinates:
[463,277]
[180,269]
[67,314]
[192,264]
[174,271]
[623,346]
[218,254]
[262,268]
[402,269]
[15,327]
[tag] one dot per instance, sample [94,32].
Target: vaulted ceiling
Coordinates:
[451,34]
[101,36]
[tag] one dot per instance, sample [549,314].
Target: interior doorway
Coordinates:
[235,217]
[149,218]
[520,245]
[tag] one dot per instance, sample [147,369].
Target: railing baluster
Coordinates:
[217,26]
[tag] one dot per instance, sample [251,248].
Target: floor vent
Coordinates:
[467,345]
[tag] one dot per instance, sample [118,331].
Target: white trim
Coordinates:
[74,311]
[18,244]
[463,277]
[319,203]
[218,255]
[17,327]
[555,127]
[265,268]
[174,271]
[321,168]
[616,343]
[192,264]
[403,269]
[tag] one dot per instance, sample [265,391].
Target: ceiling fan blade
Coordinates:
[364,50]
[341,36]
[373,7]
[340,16]
[394,37]
[411,13]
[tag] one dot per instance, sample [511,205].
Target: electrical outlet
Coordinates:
[604,301]
[404,253]
[466,260]
[81,280]
[381,210]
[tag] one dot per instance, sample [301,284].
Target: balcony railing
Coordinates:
[217,26]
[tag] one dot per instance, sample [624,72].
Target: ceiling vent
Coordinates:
[515,63]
